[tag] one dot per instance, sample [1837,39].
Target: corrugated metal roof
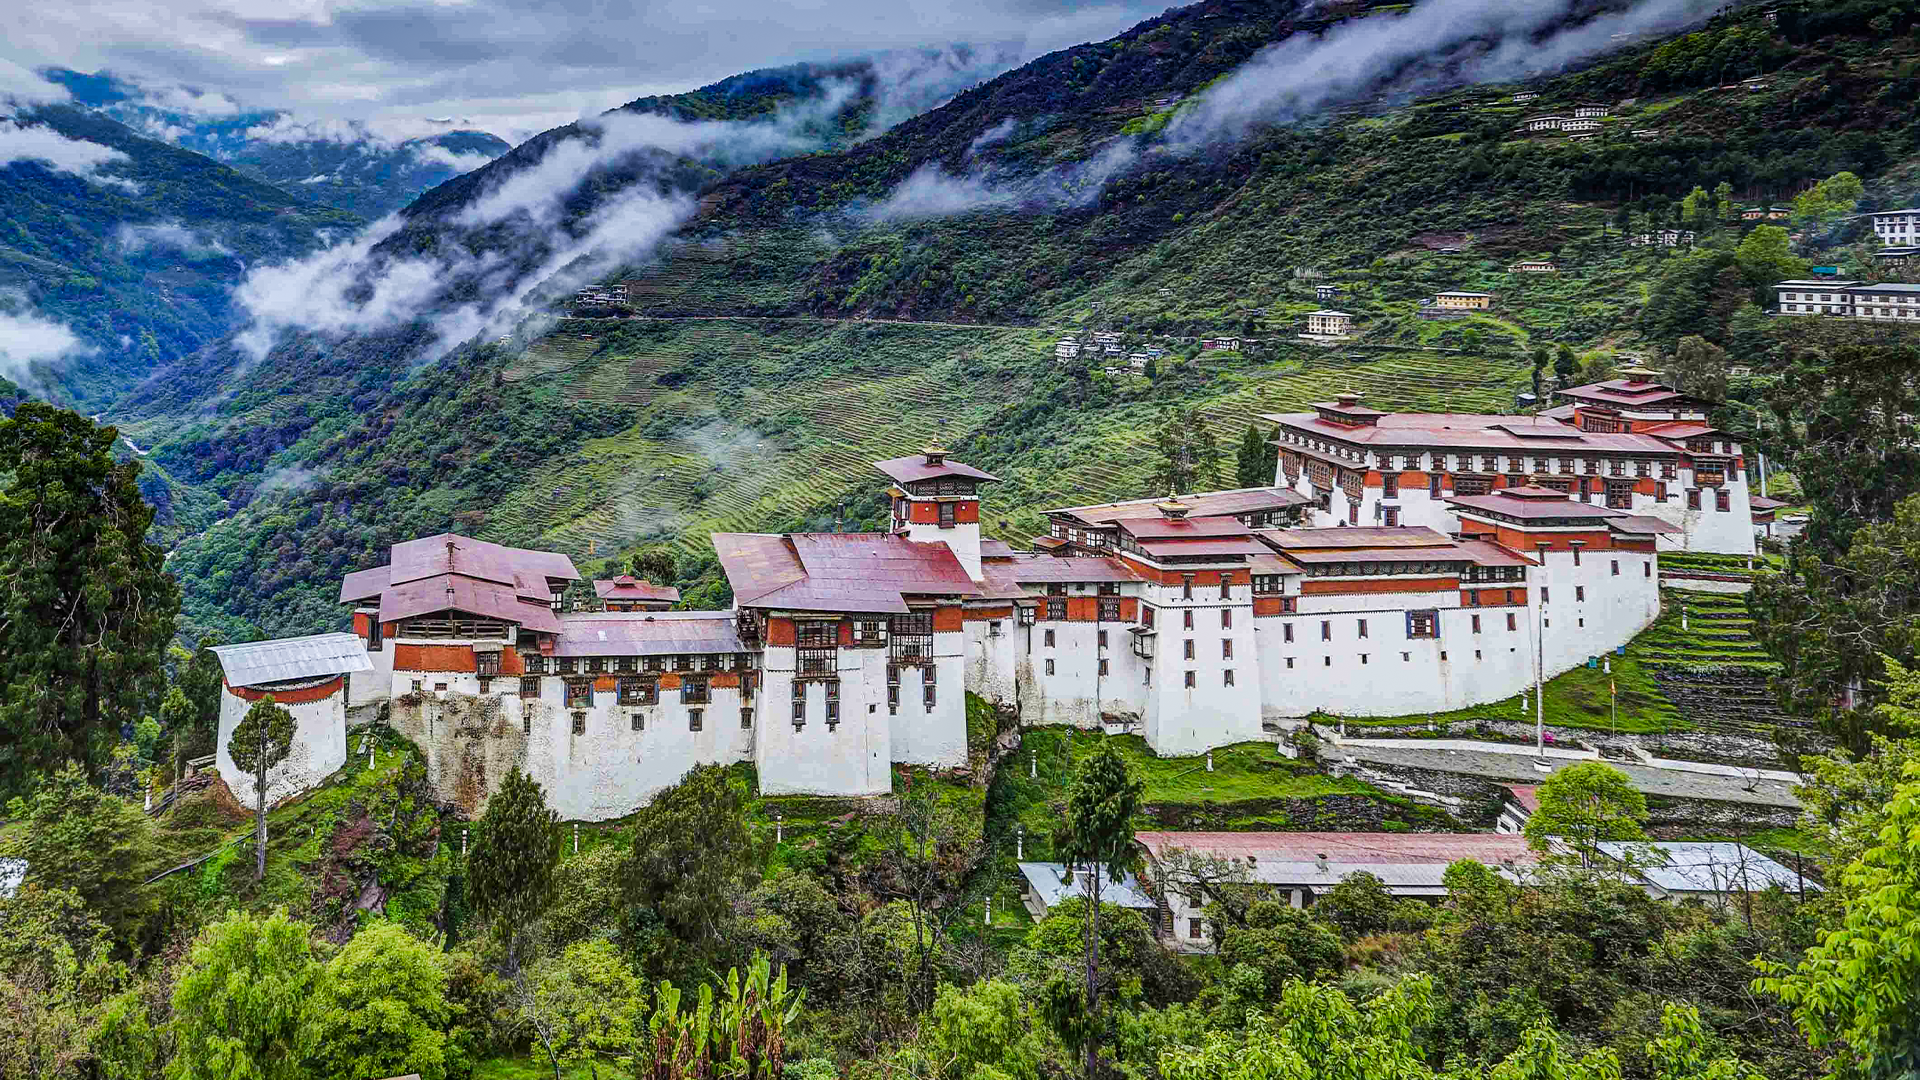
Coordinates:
[1052,883]
[1500,502]
[1640,524]
[864,572]
[1407,863]
[260,663]
[456,592]
[1703,867]
[1468,431]
[365,584]
[656,633]
[1242,546]
[1175,529]
[1069,568]
[1355,536]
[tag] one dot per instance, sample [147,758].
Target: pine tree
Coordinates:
[86,605]
[1098,834]
[263,739]
[510,872]
[1250,462]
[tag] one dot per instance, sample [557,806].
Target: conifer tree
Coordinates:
[263,739]
[1250,463]
[86,605]
[510,872]
[1098,834]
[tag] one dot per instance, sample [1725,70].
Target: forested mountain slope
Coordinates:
[133,245]
[1059,195]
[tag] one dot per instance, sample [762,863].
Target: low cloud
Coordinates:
[41,144]
[458,161]
[931,191]
[31,343]
[19,86]
[1435,44]
[167,234]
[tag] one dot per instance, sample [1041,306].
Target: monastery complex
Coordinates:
[1400,564]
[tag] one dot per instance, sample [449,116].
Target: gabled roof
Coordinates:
[447,572]
[365,584]
[1054,882]
[1642,525]
[1223,546]
[1532,504]
[654,633]
[1762,502]
[1355,536]
[1629,392]
[1469,431]
[1163,528]
[628,587]
[872,572]
[906,470]
[262,663]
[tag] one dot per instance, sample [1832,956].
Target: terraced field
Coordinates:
[1703,656]
[772,424]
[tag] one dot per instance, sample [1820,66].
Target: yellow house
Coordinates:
[1463,301]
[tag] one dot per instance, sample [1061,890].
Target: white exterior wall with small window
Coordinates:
[1318,659]
[1068,677]
[993,649]
[1185,716]
[854,756]
[373,687]
[1590,611]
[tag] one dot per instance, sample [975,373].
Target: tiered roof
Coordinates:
[450,572]
[626,587]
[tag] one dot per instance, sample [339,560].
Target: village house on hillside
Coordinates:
[1463,301]
[1897,226]
[1534,266]
[1328,323]
[1590,111]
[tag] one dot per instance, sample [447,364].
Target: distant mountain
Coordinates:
[341,163]
[120,252]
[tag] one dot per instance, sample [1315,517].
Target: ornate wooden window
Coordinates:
[637,691]
[817,633]
[579,693]
[1109,609]
[530,687]
[695,691]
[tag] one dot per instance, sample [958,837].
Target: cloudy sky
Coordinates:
[513,67]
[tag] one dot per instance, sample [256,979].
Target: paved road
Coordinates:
[1519,769]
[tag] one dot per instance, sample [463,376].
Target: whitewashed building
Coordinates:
[1192,620]
[1630,445]
[308,677]
[1897,227]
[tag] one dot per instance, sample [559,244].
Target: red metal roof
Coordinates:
[1082,568]
[1355,536]
[1469,431]
[1642,523]
[1171,528]
[1203,504]
[1627,392]
[1761,502]
[838,571]
[364,584]
[905,470]
[447,553]
[455,592]
[655,633]
[1500,502]
[1242,546]
[1488,553]
[628,587]
[1435,848]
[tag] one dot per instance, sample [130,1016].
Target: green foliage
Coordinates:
[86,606]
[1359,905]
[692,856]
[239,1006]
[1282,943]
[261,740]
[1860,987]
[99,846]
[986,1031]
[1584,804]
[1251,466]
[1189,455]
[510,872]
[588,1006]
[56,964]
[1316,1032]
[380,1010]
[1834,623]
[1828,199]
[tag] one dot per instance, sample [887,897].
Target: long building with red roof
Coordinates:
[1630,444]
